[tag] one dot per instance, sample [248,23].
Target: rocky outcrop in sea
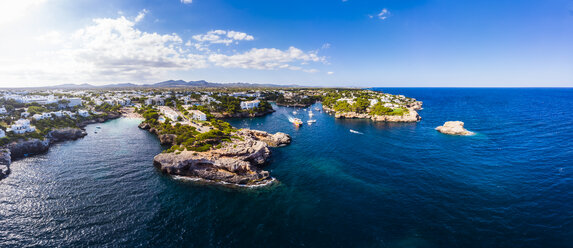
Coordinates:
[454,128]
[238,162]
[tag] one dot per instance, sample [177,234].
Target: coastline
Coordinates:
[23,148]
[411,116]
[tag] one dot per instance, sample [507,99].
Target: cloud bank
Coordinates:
[115,50]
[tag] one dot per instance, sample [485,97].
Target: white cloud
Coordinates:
[383,15]
[11,10]
[330,73]
[265,59]
[141,15]
[115,50]
[186,1]
[222,37]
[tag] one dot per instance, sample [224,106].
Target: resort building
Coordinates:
[21,126]
[198,115]
[169,113]
[250,104]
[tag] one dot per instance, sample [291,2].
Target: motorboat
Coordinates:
[297,122]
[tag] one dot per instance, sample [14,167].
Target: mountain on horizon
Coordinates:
[166,84]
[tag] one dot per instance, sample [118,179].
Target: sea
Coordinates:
[385,185]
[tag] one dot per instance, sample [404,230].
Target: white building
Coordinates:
[24,115]
[2,133]
[250,104]
[373,102]
[169,113]
[38,117]
[3,111]
[57,113]
[74,102]
[208,99]
[21,126]
[198,115]
[157,100]
[83,113]
[68,113]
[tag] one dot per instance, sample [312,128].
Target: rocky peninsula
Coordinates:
[238,162]
[409,115]
[374,105]
[236,158]
[454,128]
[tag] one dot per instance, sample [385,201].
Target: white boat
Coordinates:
[310,113]
[310,121]
[354,131]
[294,112]
[297,122]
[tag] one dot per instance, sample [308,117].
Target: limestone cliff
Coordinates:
[64,134]
[238,162]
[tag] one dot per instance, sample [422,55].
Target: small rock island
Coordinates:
[454,128]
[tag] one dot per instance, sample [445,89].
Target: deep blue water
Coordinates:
[396,185]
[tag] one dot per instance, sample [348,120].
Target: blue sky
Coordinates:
[393,43]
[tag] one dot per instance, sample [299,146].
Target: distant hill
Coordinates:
[166,84]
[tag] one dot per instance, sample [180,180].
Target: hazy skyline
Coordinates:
[324,43]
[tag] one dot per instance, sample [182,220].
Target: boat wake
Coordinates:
[356,132]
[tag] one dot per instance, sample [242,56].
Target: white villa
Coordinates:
[42,116]
[198,115]
[83,113]
[250,104]
[3,111]
[21,126]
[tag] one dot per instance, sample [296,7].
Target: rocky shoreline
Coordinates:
[296,105]
[27,147]
[411,116]
[237,163]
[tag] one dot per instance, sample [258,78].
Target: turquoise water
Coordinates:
[395,185]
